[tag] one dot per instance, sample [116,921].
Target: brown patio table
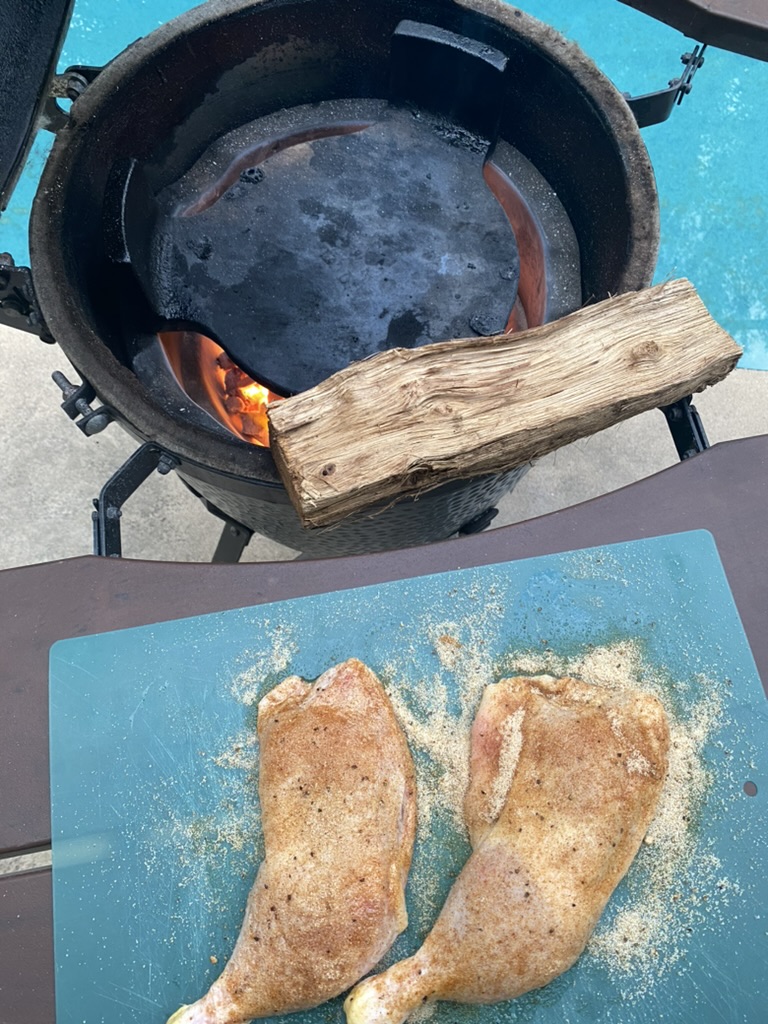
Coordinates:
[723,490]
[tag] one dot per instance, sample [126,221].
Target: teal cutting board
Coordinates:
[155,819]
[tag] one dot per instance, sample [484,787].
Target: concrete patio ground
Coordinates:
[50,472]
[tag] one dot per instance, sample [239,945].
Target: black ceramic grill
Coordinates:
[301,183]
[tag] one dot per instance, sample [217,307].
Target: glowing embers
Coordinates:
[212,380]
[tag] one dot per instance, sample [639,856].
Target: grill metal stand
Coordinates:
[108,507]
[118,489]
[682,417]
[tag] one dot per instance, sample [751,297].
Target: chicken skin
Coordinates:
[338,812]
[564,781]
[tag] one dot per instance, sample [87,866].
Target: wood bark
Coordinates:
[407,420]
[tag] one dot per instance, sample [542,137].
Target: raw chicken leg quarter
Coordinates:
[564,781]
[338,812]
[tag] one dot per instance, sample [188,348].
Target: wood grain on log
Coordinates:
[407,420]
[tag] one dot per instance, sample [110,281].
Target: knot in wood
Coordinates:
[646,352]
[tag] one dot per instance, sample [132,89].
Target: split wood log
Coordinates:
[407,420]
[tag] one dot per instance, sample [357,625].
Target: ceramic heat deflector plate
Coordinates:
[155,819]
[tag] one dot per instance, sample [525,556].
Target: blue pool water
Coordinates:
[711,157]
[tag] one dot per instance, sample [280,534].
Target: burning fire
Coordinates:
[235,398]
[245,400]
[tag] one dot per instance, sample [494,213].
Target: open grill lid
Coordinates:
[31,36]
[737,25]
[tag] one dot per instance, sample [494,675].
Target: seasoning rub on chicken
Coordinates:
[338,806]
[564,781]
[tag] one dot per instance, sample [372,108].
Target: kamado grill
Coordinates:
[258,194]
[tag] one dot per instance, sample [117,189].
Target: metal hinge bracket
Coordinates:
[18,303]
[655,107]
[77,403]
[69,85]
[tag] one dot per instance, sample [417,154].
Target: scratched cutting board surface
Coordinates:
[155,819]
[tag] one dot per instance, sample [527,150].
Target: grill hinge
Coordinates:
[77,403]
[69,85]
[18,302]
[655,107]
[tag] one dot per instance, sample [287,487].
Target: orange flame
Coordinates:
[235,398]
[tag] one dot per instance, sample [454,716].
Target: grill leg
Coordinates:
[686,428]
[479,523]
[233,541]
[234,537]
[108,507]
